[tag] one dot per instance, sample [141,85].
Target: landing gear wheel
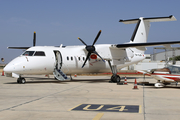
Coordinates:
[18,80]
[21,80]
[115,78]
[118,79]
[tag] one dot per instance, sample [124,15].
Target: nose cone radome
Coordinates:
[13,66]
[8,69]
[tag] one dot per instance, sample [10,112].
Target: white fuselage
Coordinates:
[72,59]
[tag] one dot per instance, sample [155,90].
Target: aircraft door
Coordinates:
[58,57]
[58,73]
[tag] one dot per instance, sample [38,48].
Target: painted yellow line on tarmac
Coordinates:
[98,116]
[140,109]
[74,107]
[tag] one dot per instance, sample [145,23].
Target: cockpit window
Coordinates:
[39,53]
[28,53]
[33,53]
[174,69]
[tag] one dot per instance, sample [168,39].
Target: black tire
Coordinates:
[23,81]
[115,78]
[18,80]
[118,79]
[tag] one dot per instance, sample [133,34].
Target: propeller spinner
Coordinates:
[91,48]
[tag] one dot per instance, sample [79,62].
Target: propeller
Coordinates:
[91,48]
[34,43]
[34,39]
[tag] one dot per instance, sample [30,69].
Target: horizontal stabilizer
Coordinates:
[152,19]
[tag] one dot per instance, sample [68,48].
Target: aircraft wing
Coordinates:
[143,72]
[148,44]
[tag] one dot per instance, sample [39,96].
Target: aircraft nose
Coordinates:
[13,66]
[9,68]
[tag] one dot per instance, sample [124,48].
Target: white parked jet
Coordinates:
[66,60]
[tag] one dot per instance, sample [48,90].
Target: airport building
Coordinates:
[165,54]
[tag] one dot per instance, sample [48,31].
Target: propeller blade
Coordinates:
[34,43]
[96,37]
[89,53]
[34,39]
[98,55]
[18,47]
[82,41]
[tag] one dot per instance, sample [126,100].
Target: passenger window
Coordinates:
[71,58]
[79,58]
[39,53]
[28,53]
[67,58]
[83,58]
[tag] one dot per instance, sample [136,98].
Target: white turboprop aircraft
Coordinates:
[66,60]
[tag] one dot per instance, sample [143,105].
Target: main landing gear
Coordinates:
[21,80]
[114,78]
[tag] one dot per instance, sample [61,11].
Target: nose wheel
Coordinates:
[21,80]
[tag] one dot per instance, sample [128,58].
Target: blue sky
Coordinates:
[62,21]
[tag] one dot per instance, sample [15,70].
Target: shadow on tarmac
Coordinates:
[33,80]
[151,86]
[166,87]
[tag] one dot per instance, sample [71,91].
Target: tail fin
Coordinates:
[142,28]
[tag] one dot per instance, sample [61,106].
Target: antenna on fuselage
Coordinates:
[61,45]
